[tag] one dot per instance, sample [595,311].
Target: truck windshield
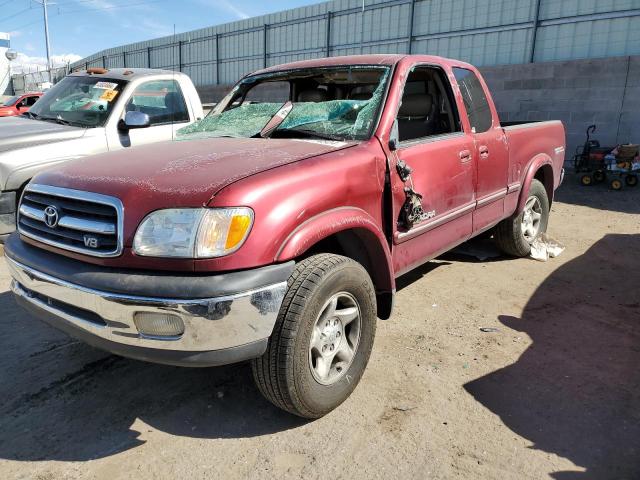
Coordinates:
[80,101]
[9,102]
[336,103]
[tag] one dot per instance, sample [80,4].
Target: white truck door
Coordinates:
[165,104]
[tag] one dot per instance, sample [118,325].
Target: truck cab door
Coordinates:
[490,148]
[441,158]
[165,104]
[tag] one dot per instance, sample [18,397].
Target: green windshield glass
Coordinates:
[345,118]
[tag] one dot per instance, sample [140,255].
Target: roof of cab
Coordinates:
[125,73]
[379,59]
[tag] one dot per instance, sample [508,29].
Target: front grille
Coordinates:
[73,220]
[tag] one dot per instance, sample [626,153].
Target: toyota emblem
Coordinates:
[51,216]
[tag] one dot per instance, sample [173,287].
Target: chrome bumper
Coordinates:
[209,324]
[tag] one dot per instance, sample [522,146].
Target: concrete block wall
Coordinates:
[604,92]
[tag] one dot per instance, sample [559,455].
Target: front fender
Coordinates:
[337,221]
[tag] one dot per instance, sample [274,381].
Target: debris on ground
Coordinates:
[544,247]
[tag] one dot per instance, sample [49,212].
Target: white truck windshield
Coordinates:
[80,101]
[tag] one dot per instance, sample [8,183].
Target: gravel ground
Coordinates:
[553,391]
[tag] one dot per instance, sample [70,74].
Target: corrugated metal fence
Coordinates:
[483,32]
[33,81]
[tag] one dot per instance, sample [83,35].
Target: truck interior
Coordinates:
[428,106]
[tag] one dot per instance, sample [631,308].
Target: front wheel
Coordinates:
[322,339]
[515,235]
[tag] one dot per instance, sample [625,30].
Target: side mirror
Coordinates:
[134,120]
[394,136]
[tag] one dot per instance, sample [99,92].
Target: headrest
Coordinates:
[416,105]
[313,95]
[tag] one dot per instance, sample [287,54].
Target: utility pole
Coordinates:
[46,36]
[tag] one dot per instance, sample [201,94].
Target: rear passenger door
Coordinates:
[165,104]
[440,153]
[490,149]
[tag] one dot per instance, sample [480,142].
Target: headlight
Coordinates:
[193,232]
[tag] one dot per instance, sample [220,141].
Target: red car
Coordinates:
[275,229]
[18,104]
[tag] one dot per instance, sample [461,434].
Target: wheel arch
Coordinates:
[541,169]
[353,233]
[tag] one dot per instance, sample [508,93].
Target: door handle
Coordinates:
[484,151]
[465,156]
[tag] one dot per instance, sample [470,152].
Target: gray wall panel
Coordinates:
[483,32]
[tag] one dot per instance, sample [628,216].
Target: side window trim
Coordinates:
[440,137]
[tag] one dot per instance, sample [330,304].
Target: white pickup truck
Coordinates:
[91,112]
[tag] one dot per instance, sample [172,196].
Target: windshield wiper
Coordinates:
[313,133]
[61,121]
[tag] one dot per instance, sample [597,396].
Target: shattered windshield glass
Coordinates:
[333,103]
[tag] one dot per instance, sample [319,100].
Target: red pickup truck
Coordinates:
[274,231]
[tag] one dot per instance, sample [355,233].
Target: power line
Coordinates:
[16,14]
[65,12]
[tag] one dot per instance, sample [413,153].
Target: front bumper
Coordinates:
[217,330]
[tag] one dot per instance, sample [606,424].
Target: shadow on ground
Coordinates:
[63,400]
[576,391]
[599,196]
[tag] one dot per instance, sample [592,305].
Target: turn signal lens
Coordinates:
[237,230]
[223,231]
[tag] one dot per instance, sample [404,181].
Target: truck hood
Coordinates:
[19,132]
[181,173]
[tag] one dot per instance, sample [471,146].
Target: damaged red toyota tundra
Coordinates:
[274,231]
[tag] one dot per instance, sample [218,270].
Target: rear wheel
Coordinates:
[322,339]
[515,235]
[631,180]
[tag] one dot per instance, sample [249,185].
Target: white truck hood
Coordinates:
[28,146]
[20,132]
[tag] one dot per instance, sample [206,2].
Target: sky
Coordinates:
[78,28]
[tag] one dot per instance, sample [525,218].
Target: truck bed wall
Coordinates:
[533,143]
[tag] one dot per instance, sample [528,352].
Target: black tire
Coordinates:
[616,184]
[283,374]
[599,176]
[509,235]
[631,180]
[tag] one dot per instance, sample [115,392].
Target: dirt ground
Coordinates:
[553,391]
